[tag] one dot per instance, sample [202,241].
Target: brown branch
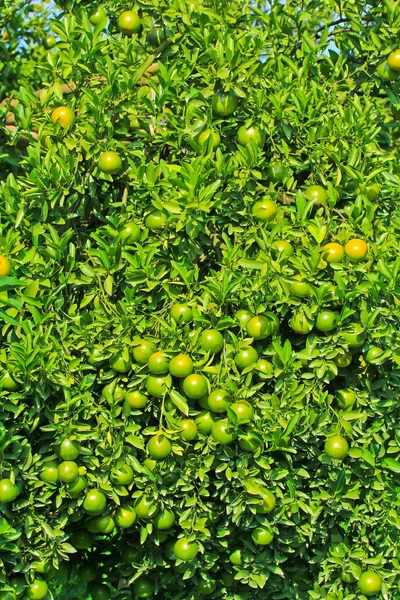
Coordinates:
[333,24]
[153,68]
[24,137]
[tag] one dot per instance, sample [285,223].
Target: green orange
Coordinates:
[110,162]
[337,447]
[370,583]
[264,210]
[317,194]
[129,22]
[181,366]
[8,490]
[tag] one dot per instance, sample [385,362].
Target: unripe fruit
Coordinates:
[159,446]
[185,550]
[224,104]
[129,22]
[98,16]
[386,73]
[264,210]
[110,162]
[68,470]
[8,491]
[95,502]
[155,37]
[205,135]
[370,583]
[246,134]
[336,446]
[317,193]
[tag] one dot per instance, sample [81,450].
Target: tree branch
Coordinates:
[24,137]
[150,61]
[333,24]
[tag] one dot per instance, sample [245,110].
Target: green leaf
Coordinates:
[108,284]
[339,483]
[251,264]
[10,283]
[179,401]
[391,464]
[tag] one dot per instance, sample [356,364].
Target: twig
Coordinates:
[333,24]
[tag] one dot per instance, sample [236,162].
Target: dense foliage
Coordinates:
[199,299]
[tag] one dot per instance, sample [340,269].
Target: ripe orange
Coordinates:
[333,252]
[5,266]
[356,249]
[394,60]
[63,114]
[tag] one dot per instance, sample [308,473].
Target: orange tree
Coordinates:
[25,38]
[199,301]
